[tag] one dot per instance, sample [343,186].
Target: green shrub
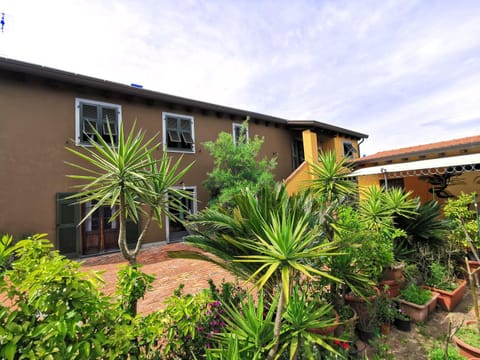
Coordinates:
[416,294]
[439,354]
[57,311]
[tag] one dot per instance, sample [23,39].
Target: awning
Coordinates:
[444,165]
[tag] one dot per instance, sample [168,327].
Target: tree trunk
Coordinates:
[278,326]
[122,233]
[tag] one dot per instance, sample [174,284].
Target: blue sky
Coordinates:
[403,72]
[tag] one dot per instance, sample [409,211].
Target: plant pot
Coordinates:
[360,305]
[448,300]
[419,313]
[403,325]
[328,330]
[347,325]
[395,272]
[385,329]
[357,350]
[473,264]
[466,349]
[393,288]
[365,334]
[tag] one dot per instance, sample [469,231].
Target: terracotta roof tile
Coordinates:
[442,145]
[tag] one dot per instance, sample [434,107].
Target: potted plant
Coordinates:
[450,290]
[464,227]
[402,321]
[386,311]
[417,302]
[367,326]
[467,337]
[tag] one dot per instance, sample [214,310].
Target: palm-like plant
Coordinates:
[127,176]
[268,239]
[329,178]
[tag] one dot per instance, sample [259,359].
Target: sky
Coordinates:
[404,72]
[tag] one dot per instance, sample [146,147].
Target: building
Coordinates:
[435,171]
[44,110]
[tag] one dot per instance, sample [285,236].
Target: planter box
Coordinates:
[419,313]
[448,300]
[465,349]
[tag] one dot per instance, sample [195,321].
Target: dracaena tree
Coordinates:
[128,177]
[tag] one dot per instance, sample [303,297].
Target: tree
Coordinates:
[128,177]
[268,238]
[236,166]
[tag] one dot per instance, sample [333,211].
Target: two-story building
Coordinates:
[44,110]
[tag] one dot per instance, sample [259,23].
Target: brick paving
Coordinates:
[169,273]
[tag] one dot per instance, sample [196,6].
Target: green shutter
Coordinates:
[68,216]
[132,233]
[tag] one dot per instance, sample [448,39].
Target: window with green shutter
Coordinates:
[91,116]
[178,132]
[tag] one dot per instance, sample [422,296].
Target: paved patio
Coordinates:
[169,273]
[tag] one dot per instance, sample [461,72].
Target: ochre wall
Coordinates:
[38,121]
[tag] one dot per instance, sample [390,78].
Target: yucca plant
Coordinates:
[268,239]
[127,175]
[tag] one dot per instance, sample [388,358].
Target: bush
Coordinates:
[57,311]
[416,294]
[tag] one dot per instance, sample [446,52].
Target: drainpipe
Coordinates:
[475,204]
[384,172]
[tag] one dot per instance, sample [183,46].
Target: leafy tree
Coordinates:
[128,176]
[236,166]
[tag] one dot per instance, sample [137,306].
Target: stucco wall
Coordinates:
[38,121]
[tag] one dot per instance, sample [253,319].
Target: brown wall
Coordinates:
[38,121]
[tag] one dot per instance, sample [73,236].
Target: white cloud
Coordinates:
[402,71]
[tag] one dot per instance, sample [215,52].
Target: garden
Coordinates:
[322,274]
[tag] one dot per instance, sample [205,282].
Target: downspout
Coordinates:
[384,172]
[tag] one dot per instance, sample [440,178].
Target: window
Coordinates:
[240,133]
[178,132]
[90,115]
[349,150]
[176,227]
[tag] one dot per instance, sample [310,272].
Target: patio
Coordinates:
[169,273]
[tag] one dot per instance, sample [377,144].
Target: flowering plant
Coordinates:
[400,315]
[342,349]
[386,309]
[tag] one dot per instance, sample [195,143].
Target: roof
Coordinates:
[425,149]
[448,165]
[23,68]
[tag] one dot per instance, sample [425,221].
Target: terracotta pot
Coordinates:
[448,300]
[385,329]
[360,305]
[466,349]
[395,272]
[474,265]
[328,330]
[393,288]
[419,313]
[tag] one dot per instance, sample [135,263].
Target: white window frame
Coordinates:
[194,210]
[165,116]
[238,126]
[78,122]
